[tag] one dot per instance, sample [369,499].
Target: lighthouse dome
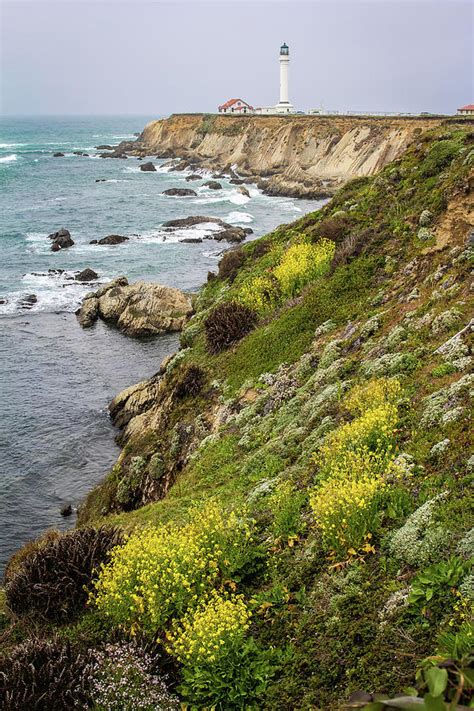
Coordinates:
[284,49]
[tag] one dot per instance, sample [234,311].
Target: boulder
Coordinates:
[213,185]
[148,167]
[105,147]
[58,154]
[139,309]
[180,192]
[244,191]
[111,239]
[194,176]
[66,510]
[60,239]
[233,234]
[86,275]
[236,181]
[28,301]
[192,240]
[89,311]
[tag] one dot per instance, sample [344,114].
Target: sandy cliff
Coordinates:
[304,156]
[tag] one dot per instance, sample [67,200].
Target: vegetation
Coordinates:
[310,543]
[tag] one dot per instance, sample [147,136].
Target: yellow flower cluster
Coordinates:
[301,263]
[353,464]
[160,572]
[259,294]
[212,629]
[374,393]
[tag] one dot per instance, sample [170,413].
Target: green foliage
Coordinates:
[444,369]
[286,504]
[432,589]
[440,155]
[237,679]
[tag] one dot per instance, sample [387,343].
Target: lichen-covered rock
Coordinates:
[424,234]
[425,218]
[420,540]
[139,309]
[89,311]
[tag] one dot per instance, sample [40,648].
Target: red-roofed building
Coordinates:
[236,106]
[467,110]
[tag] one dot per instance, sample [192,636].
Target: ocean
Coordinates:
[56,380]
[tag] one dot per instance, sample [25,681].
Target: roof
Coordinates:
[468,107]
[232,101]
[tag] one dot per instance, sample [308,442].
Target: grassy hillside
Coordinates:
[291,509]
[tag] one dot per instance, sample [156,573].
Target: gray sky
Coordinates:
[156,57]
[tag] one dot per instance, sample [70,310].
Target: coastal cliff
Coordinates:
[293,486]
[302,156]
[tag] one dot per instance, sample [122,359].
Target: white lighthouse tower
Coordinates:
[284,106]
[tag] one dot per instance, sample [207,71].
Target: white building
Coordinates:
[235,106]
[467,110]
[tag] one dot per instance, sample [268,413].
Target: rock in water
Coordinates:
[244,191]
[66,510]
[213,185]
[148,167]
[233,234]
[111,239]
[86,275]
[139,309]
[194,176]
[60,239]
[58,154]
[181,192]
[28,301]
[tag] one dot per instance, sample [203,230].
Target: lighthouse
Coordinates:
[284,106]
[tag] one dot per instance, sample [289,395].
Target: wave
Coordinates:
[13,145]
[8,159]
[239,217]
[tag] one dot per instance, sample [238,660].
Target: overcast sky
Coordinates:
[157,57]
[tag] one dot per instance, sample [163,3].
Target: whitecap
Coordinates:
[13,145]
[239,217]
[8,159]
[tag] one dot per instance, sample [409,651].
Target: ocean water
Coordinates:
[56,440]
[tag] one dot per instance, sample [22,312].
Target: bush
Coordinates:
[191,382]
[221,668]
[160,572]
[301,263]
[52,582]
[433,590]
[230,263]
[260,293]
[227,324]
[42,675]
[285,504]
[124,677]
[354,465]
[440,156]
[333,228]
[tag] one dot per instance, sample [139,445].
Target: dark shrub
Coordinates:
[351,247]
[334,228]
[43,675]
[227,324]
[51,582]
[261,247]
[191,382]
[230,264]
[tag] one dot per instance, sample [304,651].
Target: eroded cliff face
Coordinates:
[304,156]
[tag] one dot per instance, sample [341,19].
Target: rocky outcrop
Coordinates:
[139,309]
[148,167]
[228,233]
[302,156]
[60,240]
[111,239]
[180,192]
[87,274]
[213,185]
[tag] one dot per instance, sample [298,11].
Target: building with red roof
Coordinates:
[235,106]
[467,110]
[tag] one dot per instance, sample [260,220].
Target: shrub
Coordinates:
[285,504]
[333,228]
[160,572]
[52,582]
[123,676]
[433,589]
[355,463]
[230,263]
[40,675]
[227,324]
[301,263]
[221,668]
[420,540]
[440,156]
[191,382]
[259,293]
